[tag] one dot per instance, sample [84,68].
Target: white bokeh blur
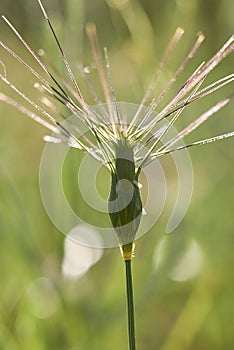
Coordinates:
[180,266]
[78,259]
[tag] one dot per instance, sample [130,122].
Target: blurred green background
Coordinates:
[184,285]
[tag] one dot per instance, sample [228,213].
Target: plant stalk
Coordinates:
[130,305]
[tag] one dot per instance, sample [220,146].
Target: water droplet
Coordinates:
[41,52]
[86,70]
[52,139]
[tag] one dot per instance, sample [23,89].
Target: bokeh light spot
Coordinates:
[43,298]
[78,259]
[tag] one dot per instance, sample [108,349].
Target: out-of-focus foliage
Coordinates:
[39,308]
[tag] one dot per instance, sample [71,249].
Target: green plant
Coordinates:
[123,148]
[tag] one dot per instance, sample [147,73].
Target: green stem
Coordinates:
[130,304]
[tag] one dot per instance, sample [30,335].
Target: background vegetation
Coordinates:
[40,308]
